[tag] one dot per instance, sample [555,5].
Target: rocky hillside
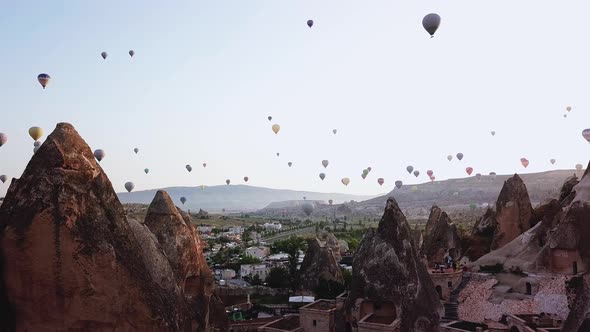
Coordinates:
[70,259]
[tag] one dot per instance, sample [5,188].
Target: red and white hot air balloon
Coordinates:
[469,170]
[524,162]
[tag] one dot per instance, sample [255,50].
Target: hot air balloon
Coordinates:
[189,168]
[304,198]
[104,55]
[459,156]
[3,139]
[493,175]
[227,181]
[278,154]
[524,162]
[364,176]
[269,118]
[569,108]
[410,169]
[322,176]
[398,184]
[345,181]
[129,186]
[334,131]
[416,173]
[325,163]
[290,164]
[131,53]
[182,200]
[369,169]
[478,176]
[330,201]
[246,179]
[565,115]
[35,149]
[381,181]
[99,154]
[146,170]
[308,209]
[579,167]
[449,157]
[430,23]
[276,128]
[43,79]
[469,170]
[35,133]
[429,173]
[365,172]
[432,178]
[552,161]
[37,144]
[310,23]
[586,134]
[136,150]
[493,133]
[204,165]
[3,178]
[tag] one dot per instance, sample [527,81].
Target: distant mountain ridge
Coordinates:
[235,197]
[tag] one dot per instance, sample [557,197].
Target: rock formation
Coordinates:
[202,214]
[386,268]
[70,259]
[482,235]
[320,263]
[440,237]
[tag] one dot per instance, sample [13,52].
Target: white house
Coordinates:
[227,274]
[205,229]
[258,252]
[272,226]
[260,270]
[236,230]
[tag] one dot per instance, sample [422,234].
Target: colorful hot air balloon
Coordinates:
[308,209]
[524,162]
[147,170]
[99,154]
[330,201]
[429,173]
[129,186]
[410,169]
[449,157]
[104,55]
[334,131]
[131,53]
[310,23]
[431,23]
[322,176]
[290,164]
[269,118]
[552,161]
[276,128]
[579,167]
[182,200]
[345,181]
[3,178]
[227,181]
[381,181]
[43,79]
[398,184]
[469,170]
[3,138]
[416,173]
[493,133]
[136,150]
[569,108]
[37,144]
[365,172]
[586,134]
[325,163]
[459,156]
[35,133]
[246,179]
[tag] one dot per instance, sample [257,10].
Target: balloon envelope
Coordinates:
[43,79]
[524,162]
[322,176]
[104,55]
[449,157]
[3,138]
[429,173]
[334,131]
[381,181]
[290,164]
[99,154]
[310,23]
[129,186]
[37,144]
[469,170]
[325,163]
[308,209]
[35,133]
[189,168]
[369,169]
[569,108]
[345,181]
[398,184]
[586,134]
[182,200]
[269,118]
[478,176]
[227,181]
[493,133]
[410,169]
[276,128]
[131,53]
[459,156]
[431,23]
[204,165]
[416,173]
[246,179]
[330,201]
[3,178]
[136,150]
[552,161]
[146,170]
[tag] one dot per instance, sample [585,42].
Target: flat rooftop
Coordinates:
[321,305]
[385,320]
[287,323]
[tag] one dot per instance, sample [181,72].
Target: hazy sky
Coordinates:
[206,74]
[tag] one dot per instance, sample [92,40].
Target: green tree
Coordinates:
[347,275]
[255,281]
[278,277]
[328,289]
[246,259]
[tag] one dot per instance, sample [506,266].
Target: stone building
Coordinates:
[445,282]
[318,316]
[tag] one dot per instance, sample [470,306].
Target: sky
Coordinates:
[206,74]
